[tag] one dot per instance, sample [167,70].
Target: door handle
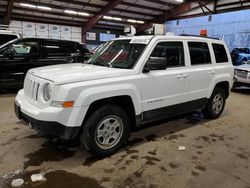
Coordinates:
[182,76]
[210,72]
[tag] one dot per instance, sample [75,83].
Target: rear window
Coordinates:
[199,53]
[6,38]
[220,53]
[83,49]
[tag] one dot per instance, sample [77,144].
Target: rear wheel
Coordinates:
[105,131]
[216,104]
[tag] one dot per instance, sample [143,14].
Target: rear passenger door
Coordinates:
[202,72]
[56,52]
[165,92]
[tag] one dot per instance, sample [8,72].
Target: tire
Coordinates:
[216,104]
[105,131]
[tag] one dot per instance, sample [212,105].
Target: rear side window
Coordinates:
[172,51]
[220,53]
[69,47]
[59,48]
[53,48]
[199,53]
[83,49]
[6,38]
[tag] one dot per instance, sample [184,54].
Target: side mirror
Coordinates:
[155,63]
[146,68]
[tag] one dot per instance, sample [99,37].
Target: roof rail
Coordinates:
[187,35]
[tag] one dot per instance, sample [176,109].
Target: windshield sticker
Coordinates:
[139,41]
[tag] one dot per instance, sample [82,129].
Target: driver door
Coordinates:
[165,92]
[16,59]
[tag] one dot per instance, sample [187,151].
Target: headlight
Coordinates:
[47,92]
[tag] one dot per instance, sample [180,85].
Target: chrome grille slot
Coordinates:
[31,89]
[25,87]
[37,89]
[33,83]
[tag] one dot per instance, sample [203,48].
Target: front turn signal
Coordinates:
[68,104]
[63,104]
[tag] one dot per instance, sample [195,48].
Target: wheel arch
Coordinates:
[225,85]
[123,101]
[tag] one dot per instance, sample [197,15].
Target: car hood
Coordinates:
[70,73]
[243,67]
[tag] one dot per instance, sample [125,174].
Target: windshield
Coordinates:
[4,38]
[118,54]
[242,50]
[7,43]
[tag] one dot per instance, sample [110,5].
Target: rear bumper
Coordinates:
[47,127]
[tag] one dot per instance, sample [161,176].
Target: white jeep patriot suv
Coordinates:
[128,82]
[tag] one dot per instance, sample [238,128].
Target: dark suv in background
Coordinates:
[18,56]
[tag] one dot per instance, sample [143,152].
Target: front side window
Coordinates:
[220,53]
[172,51]
[69,47]
[118,54]
[199,53]
[21,48]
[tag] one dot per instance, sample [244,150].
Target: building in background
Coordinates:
[232,27]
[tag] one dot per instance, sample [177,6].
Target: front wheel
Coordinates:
[216,104]
[105,131]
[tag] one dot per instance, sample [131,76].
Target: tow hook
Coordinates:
[30,126]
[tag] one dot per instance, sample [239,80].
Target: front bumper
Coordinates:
[241,81]
[48,127]
[52,121]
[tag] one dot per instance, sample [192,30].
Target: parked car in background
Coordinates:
[242,75]
[18,56]
[240,56]
[7,35]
